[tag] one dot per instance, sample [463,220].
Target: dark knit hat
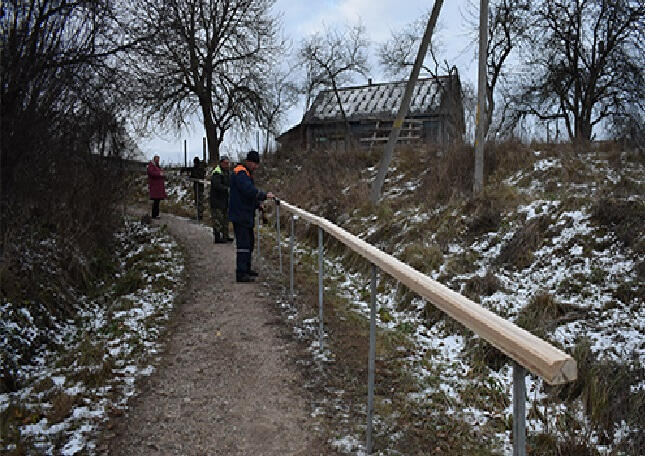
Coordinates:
[253,156]
[223,157]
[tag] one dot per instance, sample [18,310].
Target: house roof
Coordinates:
[377,101]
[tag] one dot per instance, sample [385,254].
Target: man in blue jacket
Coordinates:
[244,199]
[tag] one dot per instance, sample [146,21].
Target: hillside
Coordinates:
[555,243]
[71,356]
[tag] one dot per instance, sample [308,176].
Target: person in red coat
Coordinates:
[156,187]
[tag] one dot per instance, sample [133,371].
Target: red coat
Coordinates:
[156,187]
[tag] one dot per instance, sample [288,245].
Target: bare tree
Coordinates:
[281,94]
[397,56]
[508,24]
[207,56]
[333,58]
[58,103]
[57,78]
[585,63]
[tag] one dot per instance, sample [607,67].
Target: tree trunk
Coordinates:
[213,139]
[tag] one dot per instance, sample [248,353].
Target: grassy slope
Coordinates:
[76,372]
[554,243]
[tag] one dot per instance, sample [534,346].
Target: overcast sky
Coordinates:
[303,17]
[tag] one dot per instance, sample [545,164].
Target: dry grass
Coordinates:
[518,252]
[326,182]
[505,159]
[624,218]
[605,391]
[62,406]
[345,379]
[484,356]
[485,285]
[544,313]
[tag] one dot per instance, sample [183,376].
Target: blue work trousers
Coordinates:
[244,242]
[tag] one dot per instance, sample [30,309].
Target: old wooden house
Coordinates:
[436,115]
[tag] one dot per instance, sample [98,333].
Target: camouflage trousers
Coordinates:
[219,220]
[198,192]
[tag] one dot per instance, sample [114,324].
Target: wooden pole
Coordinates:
[185,155]
[478,182]
[377,186]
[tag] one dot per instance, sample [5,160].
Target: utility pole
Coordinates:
[204,148]
[185,155]
[375,193]
[478,181]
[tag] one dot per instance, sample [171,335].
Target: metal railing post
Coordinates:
[291,244]
[277,221]
[371,359]
[258,240]
[196,186]
[519,410]
[320,288]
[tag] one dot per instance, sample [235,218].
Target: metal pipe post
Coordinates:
[196,186]
[258,240]
[370,365]
[277,221]
[320,288]
[519,410]
[291,243]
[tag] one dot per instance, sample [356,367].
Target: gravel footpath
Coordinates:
[227,383]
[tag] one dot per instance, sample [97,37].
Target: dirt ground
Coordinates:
[228,383]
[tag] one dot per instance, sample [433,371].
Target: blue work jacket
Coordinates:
[244,197]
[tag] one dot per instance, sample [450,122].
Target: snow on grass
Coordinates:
[68,392]
[577,262]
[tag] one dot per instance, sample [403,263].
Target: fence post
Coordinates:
[291,244]
[519,410]
[370,365]
[320,288]
[277,221]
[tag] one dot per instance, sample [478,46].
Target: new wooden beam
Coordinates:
[537,355]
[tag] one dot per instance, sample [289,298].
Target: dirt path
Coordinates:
[227,384]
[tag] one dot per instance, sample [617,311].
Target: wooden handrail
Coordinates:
[537,355]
